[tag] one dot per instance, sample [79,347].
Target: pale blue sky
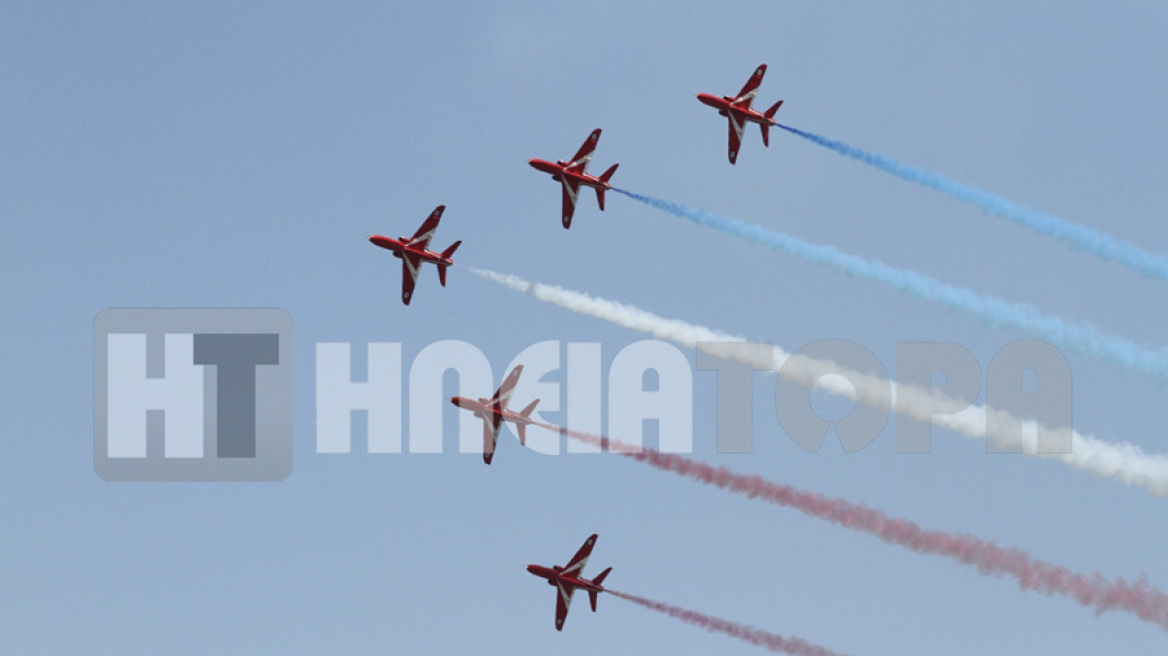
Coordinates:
[226,156]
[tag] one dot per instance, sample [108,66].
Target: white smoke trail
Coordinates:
[1123,461]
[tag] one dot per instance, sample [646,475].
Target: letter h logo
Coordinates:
[192,395]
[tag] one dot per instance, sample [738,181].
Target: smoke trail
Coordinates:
[1123,461]
[771,641]
[1101,244]
[1078,338]
[1093,590]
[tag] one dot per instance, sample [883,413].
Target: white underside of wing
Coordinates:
[739,126]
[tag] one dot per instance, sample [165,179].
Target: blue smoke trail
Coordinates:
[994,312]
[1101,244]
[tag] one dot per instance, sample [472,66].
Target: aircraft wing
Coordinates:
[492,423]
[737,127]
[503,394]
[580,161]
[410,266]
[575,567]
[746,96]
[571,192]
[421,238]
[563,603]
[490,439]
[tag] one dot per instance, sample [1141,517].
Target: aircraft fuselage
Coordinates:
[398,246]
[484,409]
[554,575]
[559,171]
[725,105]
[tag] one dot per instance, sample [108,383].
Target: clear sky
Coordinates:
[237,155]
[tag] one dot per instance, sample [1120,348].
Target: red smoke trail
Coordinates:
[1094,590]
[754,636]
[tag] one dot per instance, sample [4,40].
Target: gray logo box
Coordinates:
[192,395]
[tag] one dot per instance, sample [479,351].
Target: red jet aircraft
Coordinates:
[571,175]
[737,110]
[412,252]
[568,578]
[494,412]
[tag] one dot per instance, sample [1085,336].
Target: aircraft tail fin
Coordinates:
[766,129]
[600,577]
[446,255]
[521,428]
[604,177]
[593,593]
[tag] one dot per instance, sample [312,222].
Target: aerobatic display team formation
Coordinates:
[1101,457]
